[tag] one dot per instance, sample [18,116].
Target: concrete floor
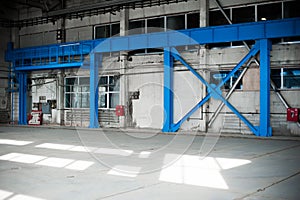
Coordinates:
[44,163]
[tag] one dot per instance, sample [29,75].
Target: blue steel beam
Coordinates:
[168,91]
[228,33]
[22,79]
[264,126]
[94,94]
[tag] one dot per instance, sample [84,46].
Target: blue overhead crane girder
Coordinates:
[62,55]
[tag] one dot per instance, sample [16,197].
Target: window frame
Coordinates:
[79,93]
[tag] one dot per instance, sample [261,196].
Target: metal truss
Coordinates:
[70,55]
[263,46]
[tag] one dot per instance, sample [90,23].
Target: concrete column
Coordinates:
[124,21]
[60,77]
[203,61]
[204,13]
[60,98]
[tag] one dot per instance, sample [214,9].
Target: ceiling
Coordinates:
[56,9]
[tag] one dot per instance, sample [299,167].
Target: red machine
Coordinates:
[35,117]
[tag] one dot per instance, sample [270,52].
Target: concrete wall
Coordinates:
[5,98]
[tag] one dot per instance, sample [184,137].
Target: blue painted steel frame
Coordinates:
[214,91]
[67,55]
[94,94]
[33,58]
[264,126]
[22,78]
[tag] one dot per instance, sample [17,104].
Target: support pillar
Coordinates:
[124,24]
[203,61]
[22,98]
[168,91]
[124,91]
[60,97]
[61,24]
[94,93]
[204,13]
[264,127]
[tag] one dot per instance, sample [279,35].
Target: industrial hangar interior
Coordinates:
[134,89]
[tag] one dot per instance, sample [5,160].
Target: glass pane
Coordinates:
[102,89]
[291,78]
[102,100]
[85,89]
[103,80]
[68,88]
[216,18]
[115,29]
[218,77]
[74,101]
[102,31]
[68,100]
[245,14]
[84,80]
[193,20]
[269,11]
[76,89]
[85,100]
[113,100]
[276,77]
[291,9]
[155,25]
[71,81]
[176,22]
[136,27]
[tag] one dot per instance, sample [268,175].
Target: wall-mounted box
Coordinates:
[292,114]
[120,110]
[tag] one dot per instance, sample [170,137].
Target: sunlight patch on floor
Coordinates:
[78,165]
[193,170]
[15,142]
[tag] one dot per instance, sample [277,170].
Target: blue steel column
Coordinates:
[264,127]
[22,98]
[94,94]
[168,91]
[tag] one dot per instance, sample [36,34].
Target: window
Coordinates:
[193,20]
[286,78]
[109,89]
[176,22]
[216,18]
[291,9]
[244,14]
[77,93]
[155,25]
[106,31]
[136,27]
[217,77]
[269,11]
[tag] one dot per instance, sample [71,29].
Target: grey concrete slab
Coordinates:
[60,163]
